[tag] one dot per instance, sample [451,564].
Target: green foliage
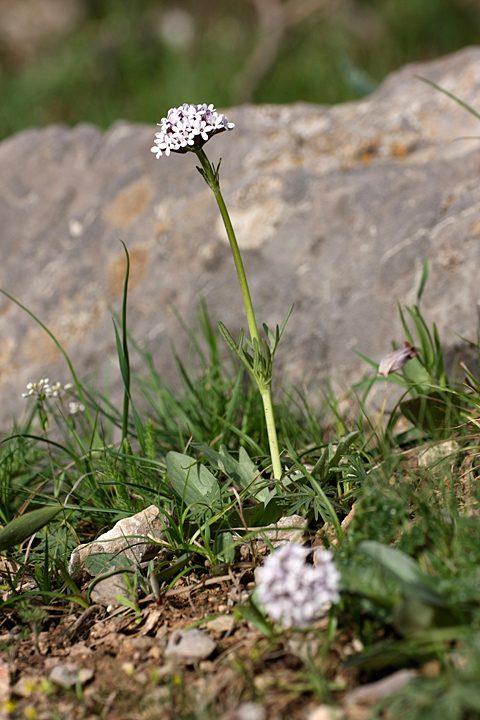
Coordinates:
[18,530]
[242,471]
[455,690]
[251,612]
[193,483]
[432,402]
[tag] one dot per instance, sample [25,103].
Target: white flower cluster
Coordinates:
[188,128]
[295,592]
[43,389]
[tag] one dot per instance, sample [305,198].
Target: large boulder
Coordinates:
[335,209]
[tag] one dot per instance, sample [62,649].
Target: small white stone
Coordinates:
[4,682]
[189,646]
[359,701]
[67,675]
[75,228]
[132,537]
[326,712]
[249,711]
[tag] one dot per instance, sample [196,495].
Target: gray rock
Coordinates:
[133,537]
[249,711]
[105,591]
[221,625]
[282,531]
[358,703]
[5,684]
[189,646]
[335,209]
[67,675]
[326,712]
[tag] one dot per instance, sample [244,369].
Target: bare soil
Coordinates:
[132,680]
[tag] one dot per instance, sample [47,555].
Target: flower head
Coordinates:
[44,389]
[188,128]
[75,407]
[295,592]
[395,360]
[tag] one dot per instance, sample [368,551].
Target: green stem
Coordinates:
[237,258]
[126,359]
[265,391]
[272,432]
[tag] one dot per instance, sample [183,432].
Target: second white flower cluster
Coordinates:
[44,389]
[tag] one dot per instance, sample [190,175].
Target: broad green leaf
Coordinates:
[261,515]
[405,570]
[97,563]
[432,412]
[243,471]
[370,582]
[415,373]
[224,547]
[192,481]
[26,525]
[398,563]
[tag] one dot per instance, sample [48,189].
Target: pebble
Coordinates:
[221,624]
[67,675]
[105,591]
[326,712]
[249,711]
[358,703]
[189,646]
[5,689]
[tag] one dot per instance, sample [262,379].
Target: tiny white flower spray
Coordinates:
[187,129]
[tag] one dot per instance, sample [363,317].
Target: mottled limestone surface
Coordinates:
[335,208]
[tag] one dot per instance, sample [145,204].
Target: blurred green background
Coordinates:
[101,60]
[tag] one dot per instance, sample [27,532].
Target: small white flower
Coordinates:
[53,390]
[188,127]
[75,407]
[294,592]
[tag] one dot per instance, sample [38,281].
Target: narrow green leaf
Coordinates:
[253,614]
[451,96]
[121,358]
[26,525]
[227,337]
[285,320]
[406,330]
[423,281]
